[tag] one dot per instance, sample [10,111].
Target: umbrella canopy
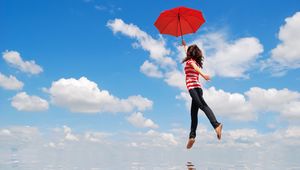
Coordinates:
[179,21]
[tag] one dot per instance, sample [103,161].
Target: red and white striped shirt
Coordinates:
[191,75]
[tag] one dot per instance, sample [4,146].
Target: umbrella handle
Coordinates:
[184,45]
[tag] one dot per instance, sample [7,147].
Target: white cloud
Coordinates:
[293,131]
[153,138]
[5,132]
[51,144]
[271,99]
[175,78]
[10,83]
[19,134]
[162,65]
[69,135]
[291,110]
[84,96]
[96,136]
[138,120]
[151,70]
[138,102]
[287,53]
[185,96]
[223,57]
[228,58]
[14,58]
[23,102]
[245,107]
[231,105]
[156,48]
[63,137]
[243,133]
[274,150]
[284,101]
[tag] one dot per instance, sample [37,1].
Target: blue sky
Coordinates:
[75,71]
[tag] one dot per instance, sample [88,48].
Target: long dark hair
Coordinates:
[195,53]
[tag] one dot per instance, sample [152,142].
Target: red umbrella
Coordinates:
[179,21]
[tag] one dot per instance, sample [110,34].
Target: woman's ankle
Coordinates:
[217,126]
[192,135]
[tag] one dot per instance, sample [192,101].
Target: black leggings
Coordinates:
[198,102]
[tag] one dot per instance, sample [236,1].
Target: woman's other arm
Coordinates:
[198,69]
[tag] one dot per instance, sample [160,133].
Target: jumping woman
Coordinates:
[193,66]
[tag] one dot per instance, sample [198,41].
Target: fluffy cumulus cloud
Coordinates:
[185,96]
[10,83]
[242,134]
[251,103]
[228,58]
[151,70]
[287,52]
[157,136]
[175,78]
[162,66]
[223,57]
[151,139]
[83,95]
[225,104]
[270,99]
[274,100]
[61,137]
[68,134]
[14,59]
[156,48]
[23,102]
[291,110]
[138,120]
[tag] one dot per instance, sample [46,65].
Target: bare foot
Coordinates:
[190,143]
[219,131]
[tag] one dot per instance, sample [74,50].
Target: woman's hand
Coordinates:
[206,77]
[184,46]
[183,43]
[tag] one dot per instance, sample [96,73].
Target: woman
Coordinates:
[194,64]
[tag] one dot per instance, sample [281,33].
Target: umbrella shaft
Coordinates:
[179,24]
[180,27]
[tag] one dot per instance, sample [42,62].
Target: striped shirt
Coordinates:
[191,75]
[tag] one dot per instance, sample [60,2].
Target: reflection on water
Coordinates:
[190,166]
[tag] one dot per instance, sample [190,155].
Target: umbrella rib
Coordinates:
[198,17]
[169,22]
[167,26]
[189,24]
[178,22]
